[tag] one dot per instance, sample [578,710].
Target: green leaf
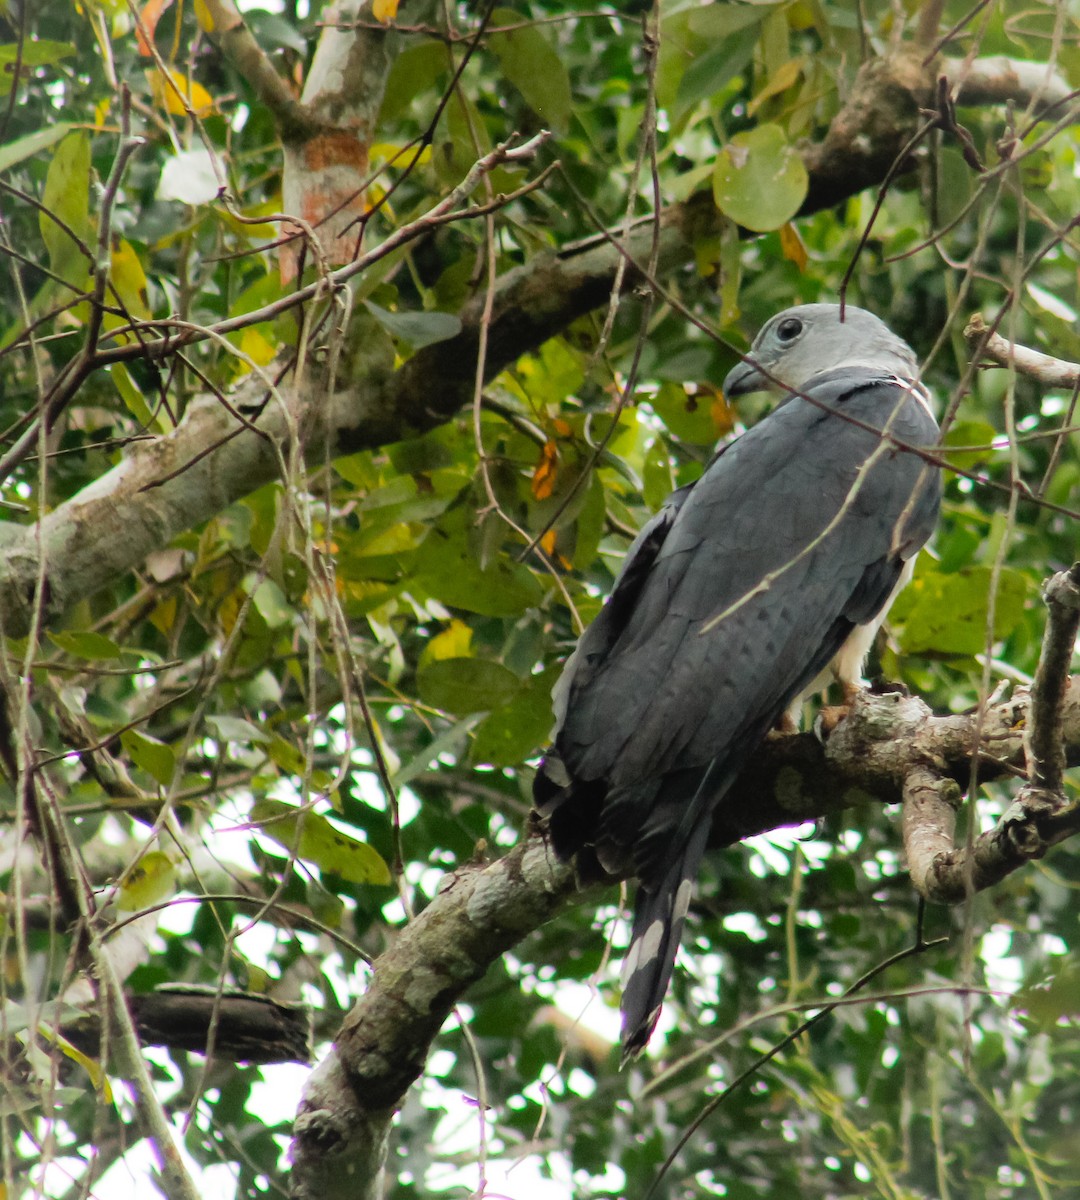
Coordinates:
[286,756]
[272,605]
[656,474]
[450,741]
[699,58]
[532,65]
[970,433]
[33,143]
[38,53]
[415,68]
[86,644]
[467,685]
[448,570]
[67,194]
[314,839]
[688,416]
[1051,996]
[759,180]
[947,613]
[419,329]
[154,757]
[150,881]
[510,735]
[236,729]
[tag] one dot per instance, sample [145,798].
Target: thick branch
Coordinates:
[248,1028]
[323,173]
[930,804]
[480,913]
[234,39]
[214,459]
[1035,822]
[1001,80]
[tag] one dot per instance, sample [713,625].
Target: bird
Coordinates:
[749,587]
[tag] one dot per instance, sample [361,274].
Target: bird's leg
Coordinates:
[832,714]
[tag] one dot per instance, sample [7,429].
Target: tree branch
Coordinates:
[1001,80]
[1044,368]
[246,1028]
[234,39]
[342,1127]
[1041,815]
[1045,743]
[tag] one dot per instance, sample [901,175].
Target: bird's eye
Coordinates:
[789,330]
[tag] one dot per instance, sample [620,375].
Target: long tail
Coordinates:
[659,914]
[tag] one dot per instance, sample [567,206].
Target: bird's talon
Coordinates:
[831,715]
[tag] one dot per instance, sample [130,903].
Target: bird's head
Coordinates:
[802,342]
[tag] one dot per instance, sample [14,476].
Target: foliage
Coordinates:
[282,729]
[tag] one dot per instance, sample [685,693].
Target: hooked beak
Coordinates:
[744,378]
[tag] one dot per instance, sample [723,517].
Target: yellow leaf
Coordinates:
[163,616]
[152,879]
[454,642]
[782,78]
[384,10]
[167,93]
[256,347]
[400,156]
[204,16]
[92,1067]
[229,609]
[129,279]
[792,246]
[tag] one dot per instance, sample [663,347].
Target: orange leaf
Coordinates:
[148,19]
[723,416]
[792,246]
[543,479]
[562,428]
[547,543]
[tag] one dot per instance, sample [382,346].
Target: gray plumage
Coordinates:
[730,604]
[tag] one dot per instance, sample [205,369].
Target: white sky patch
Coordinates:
[1004,970]
[458,1135]
[748,924]
[1051,303]
[772,849]
[129,1178]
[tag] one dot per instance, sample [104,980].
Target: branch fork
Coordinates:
[1040,816]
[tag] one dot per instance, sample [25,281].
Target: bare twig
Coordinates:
[1047,370]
